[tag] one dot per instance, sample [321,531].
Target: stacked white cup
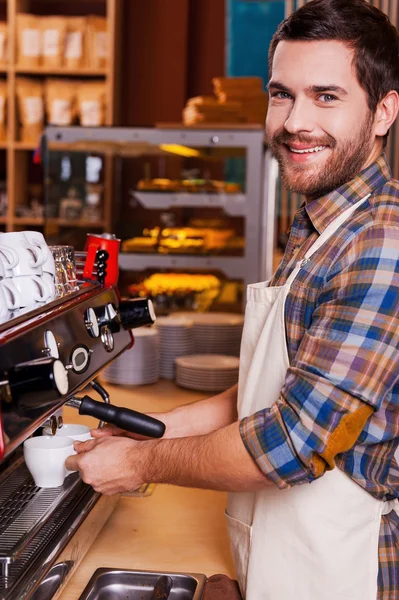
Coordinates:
[26,271]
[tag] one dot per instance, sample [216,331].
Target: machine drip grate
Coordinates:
[20,499]
[24,510]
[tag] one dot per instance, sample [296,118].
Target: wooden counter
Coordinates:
[174,529]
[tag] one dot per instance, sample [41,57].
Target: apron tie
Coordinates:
[389,506]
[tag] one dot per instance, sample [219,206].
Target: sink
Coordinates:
[121,584]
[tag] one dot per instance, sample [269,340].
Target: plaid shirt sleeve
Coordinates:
[346,363]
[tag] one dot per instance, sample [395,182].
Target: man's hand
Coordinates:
[111,464]
[217,461]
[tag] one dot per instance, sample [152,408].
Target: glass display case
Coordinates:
[183,202]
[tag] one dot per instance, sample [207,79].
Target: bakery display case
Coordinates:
[185,201]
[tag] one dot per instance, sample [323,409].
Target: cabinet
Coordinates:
[184,199]
[16,157]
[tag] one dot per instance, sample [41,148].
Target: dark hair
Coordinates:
[364,28]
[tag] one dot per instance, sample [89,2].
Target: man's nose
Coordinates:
[300,119]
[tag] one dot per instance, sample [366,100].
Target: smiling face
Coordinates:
[318,125]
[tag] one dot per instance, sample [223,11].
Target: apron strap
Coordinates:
[323,237]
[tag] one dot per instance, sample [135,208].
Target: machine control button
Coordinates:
[91,322]
[80,358]
[51,344]
[107,338]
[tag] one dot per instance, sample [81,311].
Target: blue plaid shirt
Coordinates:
[339,405]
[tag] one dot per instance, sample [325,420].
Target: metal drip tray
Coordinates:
[123,584]
[36,524]
[24,510]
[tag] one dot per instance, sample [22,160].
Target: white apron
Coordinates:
[309,542]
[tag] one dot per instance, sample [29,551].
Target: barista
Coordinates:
[306,445]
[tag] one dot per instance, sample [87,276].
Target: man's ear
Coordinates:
[386,113]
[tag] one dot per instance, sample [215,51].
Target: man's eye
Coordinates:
[327,98]
[281,95]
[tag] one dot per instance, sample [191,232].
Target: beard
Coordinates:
[346,160]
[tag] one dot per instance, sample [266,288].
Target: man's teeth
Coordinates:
[307,150]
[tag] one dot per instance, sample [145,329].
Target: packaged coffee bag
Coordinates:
[30,108]
[97,42]
[3,111]
[53,32]
[74,53]
[91,103]
[3,44]
[28,40]
[60,97]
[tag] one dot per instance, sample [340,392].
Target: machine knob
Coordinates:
[91,322]
[136,313]
[45,379]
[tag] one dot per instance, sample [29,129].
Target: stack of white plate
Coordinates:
[176,339]
[216,333]
[207,372]
[140,364]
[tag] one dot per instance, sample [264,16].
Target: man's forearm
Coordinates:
[202,417]
[216,461]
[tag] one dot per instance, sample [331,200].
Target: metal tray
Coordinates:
[121,584]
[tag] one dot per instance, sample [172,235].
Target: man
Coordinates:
[318,398]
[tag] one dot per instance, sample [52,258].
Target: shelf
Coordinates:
[28,221]
[59,222]
[24,145]
[84,71]
[78,223]
[232,204]
[233,267]
[211,126]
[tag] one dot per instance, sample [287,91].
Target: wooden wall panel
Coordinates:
[206,45]
[154,55]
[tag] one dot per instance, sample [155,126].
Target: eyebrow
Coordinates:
[315,89]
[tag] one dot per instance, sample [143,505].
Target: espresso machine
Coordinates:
[50,356]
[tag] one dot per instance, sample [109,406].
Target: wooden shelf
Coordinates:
[84,71]
[19,153]
[80,223]
[28,221]
[23,145]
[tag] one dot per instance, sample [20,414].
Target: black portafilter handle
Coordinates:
[125,418]
[136,313]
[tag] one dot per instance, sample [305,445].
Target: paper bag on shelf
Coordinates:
[3,112]
[53,32]
[98,47]
[91,103]
[30,108]
[3,44]
[28,40]
[75,50]
[60,97]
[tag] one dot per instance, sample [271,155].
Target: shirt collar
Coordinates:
[324,210]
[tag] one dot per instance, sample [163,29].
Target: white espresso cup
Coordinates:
[36,239]
[8,257]
[75,431]
[9,296]
[45,458]
[48,279]
[30,257]
[30,289]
